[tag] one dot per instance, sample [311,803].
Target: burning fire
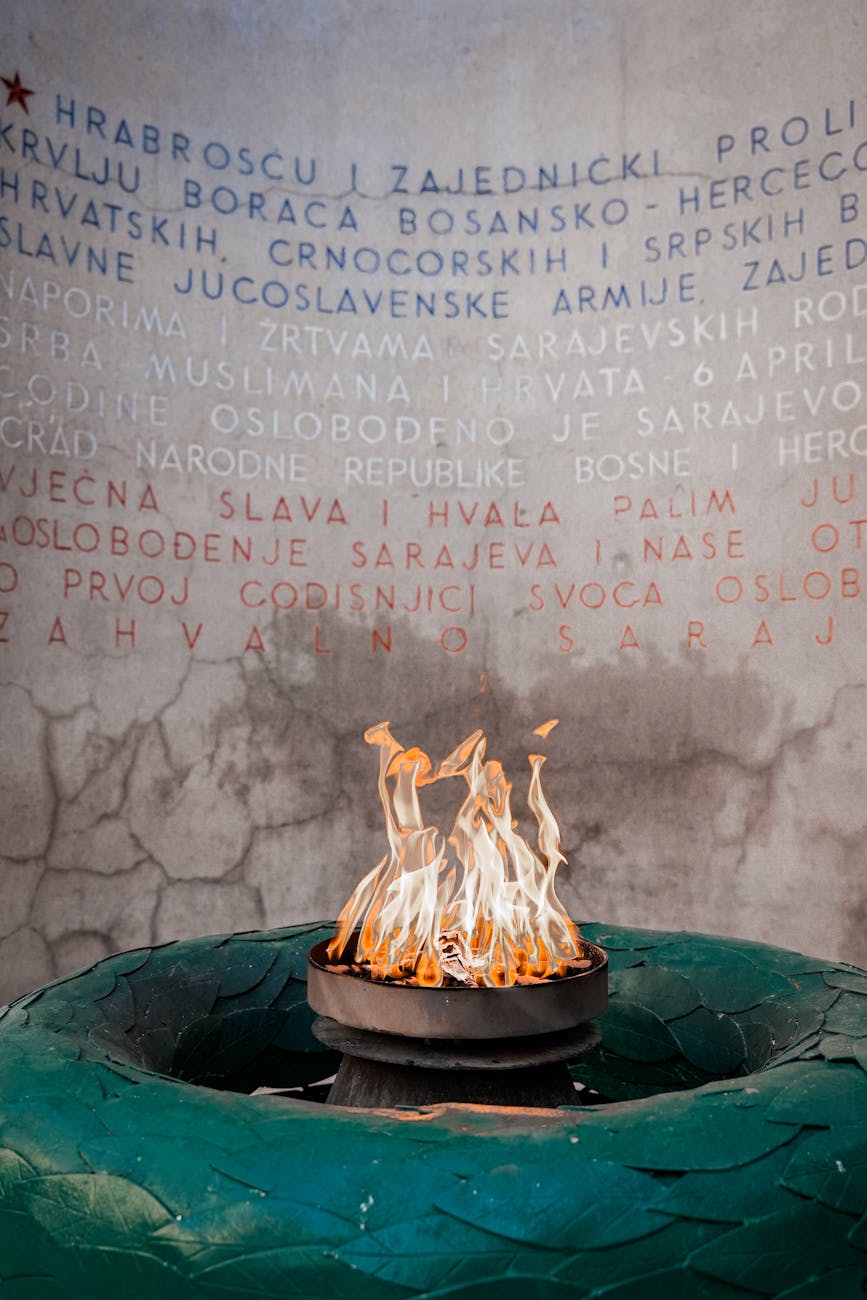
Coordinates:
[478,907]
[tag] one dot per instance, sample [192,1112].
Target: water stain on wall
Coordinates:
[248,798]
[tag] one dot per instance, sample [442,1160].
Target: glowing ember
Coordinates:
[478,907]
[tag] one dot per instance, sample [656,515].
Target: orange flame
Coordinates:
[481,900]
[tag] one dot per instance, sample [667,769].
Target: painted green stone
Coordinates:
[728,1160]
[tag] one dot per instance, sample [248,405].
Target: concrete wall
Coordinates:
[547,321]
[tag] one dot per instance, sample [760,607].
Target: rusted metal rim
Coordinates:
[458,1012]
[461,1054]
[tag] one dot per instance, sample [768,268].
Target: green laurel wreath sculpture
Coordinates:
[730,1159]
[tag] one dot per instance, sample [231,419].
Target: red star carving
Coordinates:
[17,93]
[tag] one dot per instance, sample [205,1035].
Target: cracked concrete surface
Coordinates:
[241,804]
[25,781]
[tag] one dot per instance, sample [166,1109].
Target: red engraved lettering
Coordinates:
[833,538]
[191,639]
[71,579]
[695,632]
[850,583]
[247,594]
[381,640]
[763,635]
[318,647]
[77,492]
[57,635]
[254,641]
[453,640]
[120,631]
[817,590]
